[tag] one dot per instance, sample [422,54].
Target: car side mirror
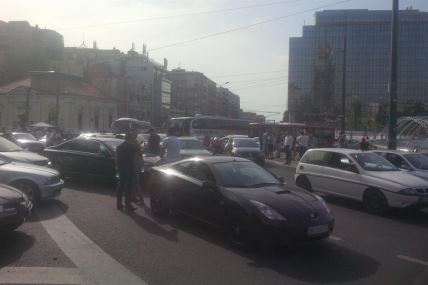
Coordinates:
[405,167]
[281,180]
[106,153]
[352,168]
[209,186]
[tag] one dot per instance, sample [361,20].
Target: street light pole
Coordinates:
[392,125]
[343,109]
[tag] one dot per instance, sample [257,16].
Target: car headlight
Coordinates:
[323,203]
[268,212]
[409,192]
[52,180]
[6,207]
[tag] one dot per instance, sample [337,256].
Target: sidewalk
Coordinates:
[281,162]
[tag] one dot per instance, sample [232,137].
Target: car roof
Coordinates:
[393,151]
[188,138]
[216,159]
[103,139]
[340,150]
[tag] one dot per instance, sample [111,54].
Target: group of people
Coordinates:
[129,162]
[273,145]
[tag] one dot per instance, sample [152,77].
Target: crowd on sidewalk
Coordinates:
[291,148]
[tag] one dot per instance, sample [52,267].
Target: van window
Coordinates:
[316,157]
[339,161]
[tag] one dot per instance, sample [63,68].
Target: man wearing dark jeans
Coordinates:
[126,152]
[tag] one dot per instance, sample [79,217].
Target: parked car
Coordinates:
[362,176]
[37,182]
[10,151]
[415,163]
[28,142]
[15,208]
[247,148]
[239,196]
[85,156]
[227,140]
[191,146]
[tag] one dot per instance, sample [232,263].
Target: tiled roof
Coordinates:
[25,82]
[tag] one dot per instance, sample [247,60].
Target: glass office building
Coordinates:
[316,64]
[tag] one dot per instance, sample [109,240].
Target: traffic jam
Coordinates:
[221,177]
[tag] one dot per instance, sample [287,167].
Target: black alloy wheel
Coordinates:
[30,189]
[237,229]
[303,182]
[158,205]
[375,202]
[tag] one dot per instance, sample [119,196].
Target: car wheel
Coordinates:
[303,182]
[238,229]
[30,189]
[375,202]
[158,205]
[10,228]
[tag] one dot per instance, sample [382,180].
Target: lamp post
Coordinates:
[392,124]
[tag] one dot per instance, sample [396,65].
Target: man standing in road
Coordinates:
[302,143]
[154,142]
[170,151]
[126,153]
[288,147]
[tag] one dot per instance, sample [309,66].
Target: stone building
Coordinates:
[59,99]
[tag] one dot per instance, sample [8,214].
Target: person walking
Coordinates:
[302,143]
[137,193]
[342,142]
[278,145]
[364,144]
[288,147]
[153,144]
[170,151]
[125,156]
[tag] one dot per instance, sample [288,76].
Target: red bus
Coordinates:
[324,135]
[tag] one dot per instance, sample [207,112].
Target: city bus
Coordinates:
[325,135]
[207,126]
[124,125]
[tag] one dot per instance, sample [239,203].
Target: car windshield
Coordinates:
[191,144]
[7,146]
[28,137]
[243,174]
[418,160]
[245,143]
[113,144]
[373,162]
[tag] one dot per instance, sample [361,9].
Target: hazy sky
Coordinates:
[231,57]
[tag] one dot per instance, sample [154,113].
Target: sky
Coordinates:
[252,61]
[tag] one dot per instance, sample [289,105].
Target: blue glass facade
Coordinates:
[316,66]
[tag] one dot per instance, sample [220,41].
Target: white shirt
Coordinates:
[288,140]
[172,147]
[303,140]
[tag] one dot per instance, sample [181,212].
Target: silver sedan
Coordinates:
[38,182]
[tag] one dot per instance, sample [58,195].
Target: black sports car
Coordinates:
[14,208]
[85,156]
[237,195]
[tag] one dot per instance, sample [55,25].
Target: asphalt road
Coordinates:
[80,238]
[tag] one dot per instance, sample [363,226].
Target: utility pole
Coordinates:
[343,109]
[58,90]
[27,107]
[392,124]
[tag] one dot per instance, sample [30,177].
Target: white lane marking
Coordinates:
[96,266]
[335,238]
[39,275]
[411,259]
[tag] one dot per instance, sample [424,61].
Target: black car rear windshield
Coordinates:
[243,174]
[7,146]
[190,144]
[245,143]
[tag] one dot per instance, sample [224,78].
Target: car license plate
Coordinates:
[316,230]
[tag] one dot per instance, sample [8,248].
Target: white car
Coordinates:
[362,176]
[413,162]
